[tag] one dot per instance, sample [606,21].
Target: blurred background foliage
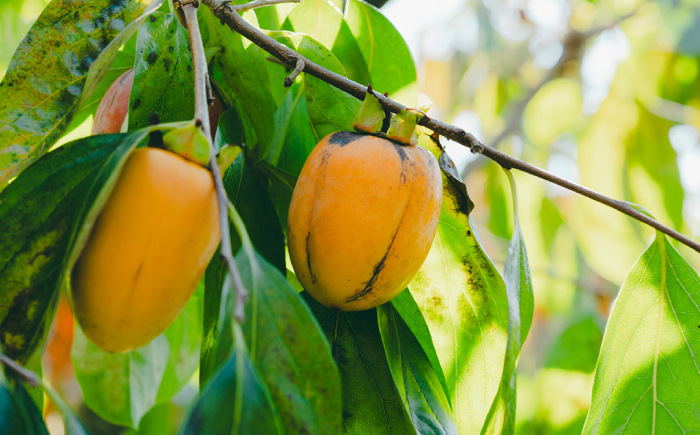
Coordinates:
[605,93]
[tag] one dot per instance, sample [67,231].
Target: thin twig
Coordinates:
[201,115]
[290,58]
[297,70]
[27,375]
[259,3]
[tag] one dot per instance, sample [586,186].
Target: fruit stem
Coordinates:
[201,116]
[27,375]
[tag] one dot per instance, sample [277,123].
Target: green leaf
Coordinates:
[40,94]
[415,377]
[234,401]
[294,138]
[279,190]
[372,403]
[18,413]
[71,423]
[410,312]
[577,347]
[463,299]
[240,69]
[324,23]
[521,306]
[163,78]
[264,229]
[44,215]
[647,377]
[650,148]
[386,54]
[257,212]
[122,387]
[329,108]
[289,350]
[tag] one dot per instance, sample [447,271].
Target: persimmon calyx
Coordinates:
[188,142]
[402,127]
[371,115]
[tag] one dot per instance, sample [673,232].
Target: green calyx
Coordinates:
[371,116]
[189,142]
[402,127]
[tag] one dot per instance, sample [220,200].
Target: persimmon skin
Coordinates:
[147,251]
[362,219]
[114,105]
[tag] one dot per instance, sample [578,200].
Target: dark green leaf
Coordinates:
[391,67]
[40,94]
[240,70]
[43,217]
[372,403]
[289,350]
[647,377]
[410,312]
[260,218]
[18,413]
[463,299]
[234,401]
[279,190]
[163,80]
[521,306]
[415,377]
[294,138]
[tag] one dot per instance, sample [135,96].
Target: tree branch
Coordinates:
[201,116]
[27,375]
[259,4]
[290,58]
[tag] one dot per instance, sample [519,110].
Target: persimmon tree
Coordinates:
[245,91]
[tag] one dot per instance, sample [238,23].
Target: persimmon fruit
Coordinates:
[362,219]
[147,250]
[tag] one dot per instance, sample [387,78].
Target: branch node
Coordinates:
[477,148]
[297,70]
[179,4]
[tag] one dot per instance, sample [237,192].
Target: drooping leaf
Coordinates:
[279,190]
[463,299]
[647,376]
[390,65]
[234,401]
[240,68]
[44,215]
[40,94]
[372,403]
[71,423]
[258,214]
[294,138]
[329,108]
[18,413]
[122,387]
[521,306]
[415,377]
[289,350]
[163,78]
[410,312]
